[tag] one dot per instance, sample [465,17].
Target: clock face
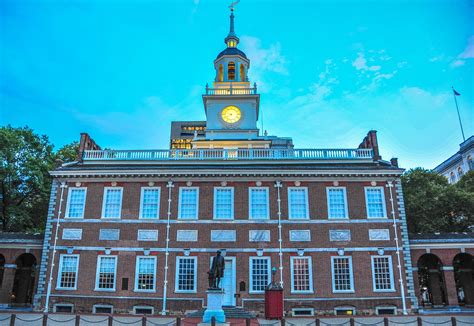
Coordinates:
[231,114]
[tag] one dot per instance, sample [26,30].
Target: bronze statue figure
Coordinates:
[217,271]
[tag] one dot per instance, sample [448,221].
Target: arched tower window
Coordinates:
[220,73]
[242,73]
[231,70]
[460,172]
[452,177]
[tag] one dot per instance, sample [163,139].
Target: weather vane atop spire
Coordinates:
[232,5]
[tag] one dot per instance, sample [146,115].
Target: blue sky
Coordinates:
[327,71]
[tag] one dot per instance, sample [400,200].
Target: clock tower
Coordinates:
[232,103]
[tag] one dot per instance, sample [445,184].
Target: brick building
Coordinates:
[20,255]
[136,230]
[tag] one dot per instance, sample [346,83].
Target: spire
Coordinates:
[232,40]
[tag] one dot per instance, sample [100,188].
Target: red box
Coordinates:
[274,304]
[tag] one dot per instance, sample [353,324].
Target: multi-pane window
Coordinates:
[145,274]
[375,201]
[258,201]
[76,202]
[186,274]
[188,203]
[301,275]
[382,273]
[342,279]
[112,204]
[223,203]
[68,266]
[337,203]
[150,202]
[106,270]
[298,202]
[259,273]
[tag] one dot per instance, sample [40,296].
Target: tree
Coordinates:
[26,159]
[433,205]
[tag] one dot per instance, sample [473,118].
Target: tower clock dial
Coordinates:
[231,114]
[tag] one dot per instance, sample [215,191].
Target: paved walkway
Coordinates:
[35,319]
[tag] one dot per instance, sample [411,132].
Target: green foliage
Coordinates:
[433,205]
[25,183]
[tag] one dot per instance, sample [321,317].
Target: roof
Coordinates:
[19,237]
[456,158]
[453,237]
[231,51]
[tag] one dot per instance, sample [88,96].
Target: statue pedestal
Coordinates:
[214,306]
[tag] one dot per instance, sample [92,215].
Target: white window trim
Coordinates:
[215,204]
[142,190]
[345,308]
[251,273]
[69,198]
[392,289]
[383,202]
[102,306]
[310,267]
[97,274]
[136,289]
[268,204]
[63,304]
[197,203]
[351,275]
[176,280]
[143,307]
[104,199]
[60,272]
[311,312]
[346,209]
[385,307]
[290,213]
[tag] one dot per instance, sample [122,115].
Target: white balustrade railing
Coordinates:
[231,91]
[226,154]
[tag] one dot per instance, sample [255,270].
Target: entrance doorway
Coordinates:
[228,282]
[24,282]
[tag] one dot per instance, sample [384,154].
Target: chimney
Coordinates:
[370,141]
[394,162]
[86,143]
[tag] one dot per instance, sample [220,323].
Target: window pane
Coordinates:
[150,202]
[298,203]
[337,203]
[260,273]
[188,199]
[382,273]
[146,273]
[68,271]
[375,202]
[223,203]
[76,202]
[106,277]
[341,274]
[301,274]
[113,202]
[186,274]
[259,203]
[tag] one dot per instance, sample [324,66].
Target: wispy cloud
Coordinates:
[467,54]
[265,60]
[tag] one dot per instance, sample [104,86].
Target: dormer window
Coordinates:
[231,70]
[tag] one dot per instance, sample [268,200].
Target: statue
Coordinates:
[217,271]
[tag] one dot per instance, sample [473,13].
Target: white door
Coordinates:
[228,282]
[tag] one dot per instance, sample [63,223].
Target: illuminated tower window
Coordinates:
[231,70]
[220,76]
[242,73]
